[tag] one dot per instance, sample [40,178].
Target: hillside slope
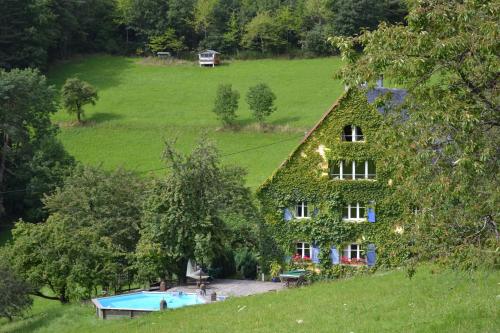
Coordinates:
[386,302]
[141,105]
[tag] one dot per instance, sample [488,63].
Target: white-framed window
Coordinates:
[352,133]
[303,249]
[353,251]
[354,212]
[353,170]
[301,210]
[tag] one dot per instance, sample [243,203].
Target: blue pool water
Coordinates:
[149,301]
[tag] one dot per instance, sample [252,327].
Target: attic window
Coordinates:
[352,133]
[301,210]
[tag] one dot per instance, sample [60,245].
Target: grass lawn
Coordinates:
[387,302]
[141,105]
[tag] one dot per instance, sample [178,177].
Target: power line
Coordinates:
[236,152]
[223,155]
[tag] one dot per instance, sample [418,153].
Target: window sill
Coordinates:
[356,180]
[303,217]
[355,220]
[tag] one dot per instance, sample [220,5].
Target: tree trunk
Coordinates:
[79,115]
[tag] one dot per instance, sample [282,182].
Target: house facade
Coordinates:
[330,201]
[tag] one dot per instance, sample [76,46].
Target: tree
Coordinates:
[232,36]
[203,15]
[351,16]
[260,99]
[76,93]
[14,293]
[26,104]
[444,147]
[262,31]
[226,104]
[167,41]
[183,213]
[88,238]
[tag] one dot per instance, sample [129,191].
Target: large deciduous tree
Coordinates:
[76,93]
[28,147]
[444,149]
[88,240]
[183,213]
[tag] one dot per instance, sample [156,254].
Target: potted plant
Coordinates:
[275,270]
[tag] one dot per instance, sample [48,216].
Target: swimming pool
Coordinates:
[131,305]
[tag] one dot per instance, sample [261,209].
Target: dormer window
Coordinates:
[352,134]
[301,210]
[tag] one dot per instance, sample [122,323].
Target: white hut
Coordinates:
[208,57]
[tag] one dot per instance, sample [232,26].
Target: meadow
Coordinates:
[432,301]
[141,105]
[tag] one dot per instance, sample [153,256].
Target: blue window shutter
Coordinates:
[371,256]
[371,214]
[315,212]
[315,254]
[334,255]
[287,214]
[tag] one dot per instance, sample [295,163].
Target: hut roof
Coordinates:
[209,51]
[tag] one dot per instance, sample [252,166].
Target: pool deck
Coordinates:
[234,288]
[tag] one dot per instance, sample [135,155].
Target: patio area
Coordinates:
[233,288]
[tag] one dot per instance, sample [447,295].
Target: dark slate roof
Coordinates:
[397,96]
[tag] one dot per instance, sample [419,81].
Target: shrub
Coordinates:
[226,104]
[14,293]
[246,263]
[260,99]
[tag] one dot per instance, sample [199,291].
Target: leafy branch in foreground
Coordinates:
[446,135]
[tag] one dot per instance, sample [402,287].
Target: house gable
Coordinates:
[305,177]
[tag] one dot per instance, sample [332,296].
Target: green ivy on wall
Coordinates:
[304,176]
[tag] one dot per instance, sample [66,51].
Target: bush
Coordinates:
[260,99]
[316,41]
[14,293]
[226,104]
[246,263]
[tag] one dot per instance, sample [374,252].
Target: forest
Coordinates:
[34,33]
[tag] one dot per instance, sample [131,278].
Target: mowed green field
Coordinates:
[142,105]
[431,301]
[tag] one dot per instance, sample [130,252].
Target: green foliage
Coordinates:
[32,161]
[76,93]
[260,99]
[262,32]
[233,34]
[168,41]
[351,16]
[304,176]
[274,269]
[246,263]
[183,213]
[316,40]
[444,147]
[88,239]
[226,104]
[203,15]
[34,33]
[14,293]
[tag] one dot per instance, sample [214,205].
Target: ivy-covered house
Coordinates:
[329,202]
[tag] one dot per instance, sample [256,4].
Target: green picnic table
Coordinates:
[295,277]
